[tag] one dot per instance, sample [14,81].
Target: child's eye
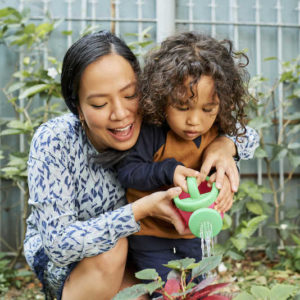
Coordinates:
[182,108]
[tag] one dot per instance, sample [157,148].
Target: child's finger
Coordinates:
[191,172]
[182,184]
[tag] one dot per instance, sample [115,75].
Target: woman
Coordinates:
[79,220]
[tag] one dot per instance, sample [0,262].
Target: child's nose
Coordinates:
[193,119]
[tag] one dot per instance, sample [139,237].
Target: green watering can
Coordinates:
[197,208]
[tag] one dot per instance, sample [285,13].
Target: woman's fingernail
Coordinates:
[218,185]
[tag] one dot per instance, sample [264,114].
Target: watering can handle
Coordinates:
[196,200]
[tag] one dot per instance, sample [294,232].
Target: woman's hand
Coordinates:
[225,198]
[160,205]
[219,154]
[180,175]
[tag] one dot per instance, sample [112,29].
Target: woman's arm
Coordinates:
[56,205]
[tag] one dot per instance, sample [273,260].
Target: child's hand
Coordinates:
[180,175]
[225,197]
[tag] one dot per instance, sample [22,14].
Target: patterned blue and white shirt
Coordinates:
[78,207]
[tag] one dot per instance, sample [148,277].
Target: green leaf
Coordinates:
[147,274]
[34,90]
[294,159]
[6,12]
[270,58]
[294,146]
[153,286]
[239,244]
[180,264]
[296,239]
[260,292]
[43,29]
[29,29]
[235,255]
[227,222]
[132,292]
[282,291]
[259,122]
[206,264]
[293,116]
[67,32]
[260,153]
[10,132]
[244,296]
[252,225]
[255,208]
[15,86]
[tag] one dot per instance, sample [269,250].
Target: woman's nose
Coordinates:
[119,110]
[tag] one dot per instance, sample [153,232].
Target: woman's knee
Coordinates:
[111,261]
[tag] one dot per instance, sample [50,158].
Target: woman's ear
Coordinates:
[81,116]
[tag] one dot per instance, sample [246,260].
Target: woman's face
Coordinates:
[108,103]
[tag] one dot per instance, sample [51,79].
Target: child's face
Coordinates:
[189,121]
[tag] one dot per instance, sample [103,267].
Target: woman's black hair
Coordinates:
[85,51]
[81,54]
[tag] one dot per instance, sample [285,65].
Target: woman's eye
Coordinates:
[207,110]
[131,96]
[99,106]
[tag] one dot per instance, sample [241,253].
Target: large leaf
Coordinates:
[7,11]
[181,264]
[244,296]
[259,122]
[239,243]
[294,159]
[207,264]
[282,291]
[147,274]
[15,86]
[260,152]
[34,90]
[153,286]
[254,207]
[252,225]
[260,292]
[227,222]
[132,292]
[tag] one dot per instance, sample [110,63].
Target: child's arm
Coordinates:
[137,170]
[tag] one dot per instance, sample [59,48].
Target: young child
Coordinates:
[193,90]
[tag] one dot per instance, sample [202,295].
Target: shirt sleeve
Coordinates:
[137,170]
[55,209]
[247,144]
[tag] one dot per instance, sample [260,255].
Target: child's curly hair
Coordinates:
[191,54]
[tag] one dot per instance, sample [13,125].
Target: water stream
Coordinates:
[207,242]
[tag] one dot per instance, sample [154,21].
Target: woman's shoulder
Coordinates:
[64,126]
[64,129]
